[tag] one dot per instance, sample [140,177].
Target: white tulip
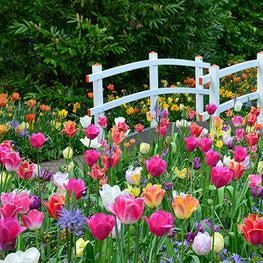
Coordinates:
[67,153]
[119,119]
[31,255]
[60,179]
[94,143]
[109,193]
[226,160]
[85,121]
[238,105]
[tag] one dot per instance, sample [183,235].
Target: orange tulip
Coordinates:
[31,103]
[110,87]
[15,96]
[251,119]
[132,141]
[237,170]
[44,108]
[90,95]
[69,129]
[31,117]
[117,137]
[184,206]
[153,195]
[255,111]
[3,101]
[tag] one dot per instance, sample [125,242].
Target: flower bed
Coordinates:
[194,196]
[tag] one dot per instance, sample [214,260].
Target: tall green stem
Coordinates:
[182,240]
[256,254]
[155,252]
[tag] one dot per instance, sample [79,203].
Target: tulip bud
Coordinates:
[202,244]
[67,153]
[144,148]
[218,243]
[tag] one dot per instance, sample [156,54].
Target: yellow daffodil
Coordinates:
[80,245]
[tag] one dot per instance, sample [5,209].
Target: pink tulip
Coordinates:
[37,140]
[91,157]
[25,171]
[113,160]
[103,122]
[212,158]
[127,208]
[240,153]
[191,143]
[205,144]
[9,210]
[255,180]
[9,230]
[221,176]
[12,161]
[33,220]
[77,185]
[160,222]
[156,166]
[3,151]
[23,202]
[240,134]
[237,121]
[211,108]
[161,131]
[92,131]
[101,225]
[97,172]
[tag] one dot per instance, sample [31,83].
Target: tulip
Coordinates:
[184,206]
[77,185]
[254,180]
[237,170]
[69,130]
[144,148]
[153,195]
[117,136]
[160,222]
[150,117]
[94,144]
[55,204]
[109,193]
[156,166]
[103,122]
[25,171]
[80,245]
[227,139]
[9,230]
[211,108]
[37,140]
[217,122]
[68,153]
[218,242]
[36,202]
[257,191]
[92,131]
[196,163]
[181,174]
[237,121]
[101,225]
[238,105]
[12,161]
[191,114]
[252,138]
[182,124]
[127,208]
[91,157]
[122,127]
[251,119]
[240,134]
[191,143]
[221,176]
[33,220]
[202,244]
[195,129]
[60,179]
[113,160]
[97,172]
[212,158]
[252,229]
[161,131]
[85,121]
[133,176]
[240,153]
[119,119]
[3,151]
[205,144]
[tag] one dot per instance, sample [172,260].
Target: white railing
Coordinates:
[213,78]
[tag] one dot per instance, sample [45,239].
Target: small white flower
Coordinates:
[85,121]
[226,160]
[119,119]
[238,105]
[31,255]
[219,163]
[94,143]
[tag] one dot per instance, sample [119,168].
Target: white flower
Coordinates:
[35,171]
[127,133]
[31,255]
[94,143]
[226,160]
[182,123]
[238,105]
[85,121]
[175,193]
[67,153]
[130,173]
[219,163]
[109,193]
[204,132]
[119,119]
[60,179]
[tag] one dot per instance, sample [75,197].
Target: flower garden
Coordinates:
[193,195]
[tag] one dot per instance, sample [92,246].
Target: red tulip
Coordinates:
[139,127]
[212,158]
[127,208]
[240,153]
[211,108]
[251,119]
[123,127]
[221,176]
[9,230]
[160,222]
[77,185]
[97,172]
[237,170]
[252,138]
[91,157]
[101,225]
[55,204]
[191,143]
[156,166]
[195,129]
[237,121]
[25,171]
[37,140]
[161,131]
[33,220]
[92,131]
[205,144]
[252,229]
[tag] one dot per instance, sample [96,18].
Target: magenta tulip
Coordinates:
[237,121]
[3,151]
[205,144]
[221,176]
[212,158]
[91,157]
[156,166]
[33,220]
[9,230]
[103,122]
[211,108]
[191,143]
[37,140]
[92,131]
[127,208]
[12,161]
[160,222]
[240,134]
[77,185]
[240,153]
[101,225]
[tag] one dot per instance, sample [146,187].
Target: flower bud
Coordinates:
[67,153]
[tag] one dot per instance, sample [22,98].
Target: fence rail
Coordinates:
[213,78]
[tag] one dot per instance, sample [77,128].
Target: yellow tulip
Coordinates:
[80,245]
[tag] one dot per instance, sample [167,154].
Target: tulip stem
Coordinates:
[256,254]
[100,251]
[182,240]
[155,252]
[97,195]
[213,226]
[128,242]
[58,245]
[136,244]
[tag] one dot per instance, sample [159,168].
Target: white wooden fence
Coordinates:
[213,78]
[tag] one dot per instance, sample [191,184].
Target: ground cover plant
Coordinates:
[193,196]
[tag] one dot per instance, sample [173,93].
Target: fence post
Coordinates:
[214,86]
[97,92]
[153,73]
[199,99]
[260,85]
